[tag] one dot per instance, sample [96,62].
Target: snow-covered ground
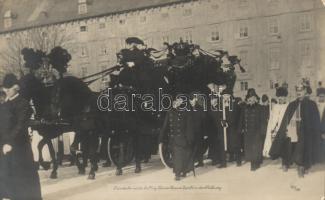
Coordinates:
[156,182]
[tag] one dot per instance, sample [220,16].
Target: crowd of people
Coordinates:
[249,130]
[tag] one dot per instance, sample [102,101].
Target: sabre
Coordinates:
[224,104]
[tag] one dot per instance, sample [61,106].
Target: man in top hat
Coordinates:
[178,129]
[276,117]
[295,140]
[252,128]
[23,180]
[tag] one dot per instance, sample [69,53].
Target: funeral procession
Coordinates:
[162,99]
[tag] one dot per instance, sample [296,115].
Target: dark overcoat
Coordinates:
[4,128]
[21,172]
[178,130]
[232,119]
[251,126]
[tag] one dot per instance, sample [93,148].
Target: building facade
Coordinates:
[277,40]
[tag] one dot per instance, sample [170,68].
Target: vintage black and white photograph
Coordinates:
[162,99]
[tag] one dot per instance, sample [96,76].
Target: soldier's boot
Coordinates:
[92,174]
[231,157]
[54,175]
[137,168]
[301,171]
[238,160]
[222,165]
[253,166]
[118,172]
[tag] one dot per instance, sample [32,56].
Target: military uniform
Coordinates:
[252,129]
[179,131]
[232,134]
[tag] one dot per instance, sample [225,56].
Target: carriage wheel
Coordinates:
[121,150]
[165,155]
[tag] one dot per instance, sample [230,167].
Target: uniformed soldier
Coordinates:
[226,120]
[177,128]
[249,124]
[198,104]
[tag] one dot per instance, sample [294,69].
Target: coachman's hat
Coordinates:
[134,40]
[9,81]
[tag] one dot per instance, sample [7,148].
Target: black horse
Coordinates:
[58,108]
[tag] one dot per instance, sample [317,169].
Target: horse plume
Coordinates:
[59,59]
[33,59]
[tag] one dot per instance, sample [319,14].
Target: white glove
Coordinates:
[130,64]
[6,148]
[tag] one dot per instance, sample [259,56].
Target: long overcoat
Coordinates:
[22,178]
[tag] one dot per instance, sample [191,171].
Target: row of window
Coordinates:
[273,55]
[82,6]
[243,29]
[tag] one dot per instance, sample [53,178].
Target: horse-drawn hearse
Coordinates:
[65,103]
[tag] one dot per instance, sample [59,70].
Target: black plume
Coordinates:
[33,59]
[59,59]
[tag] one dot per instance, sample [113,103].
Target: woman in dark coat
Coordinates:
[252,129]
[22,177]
